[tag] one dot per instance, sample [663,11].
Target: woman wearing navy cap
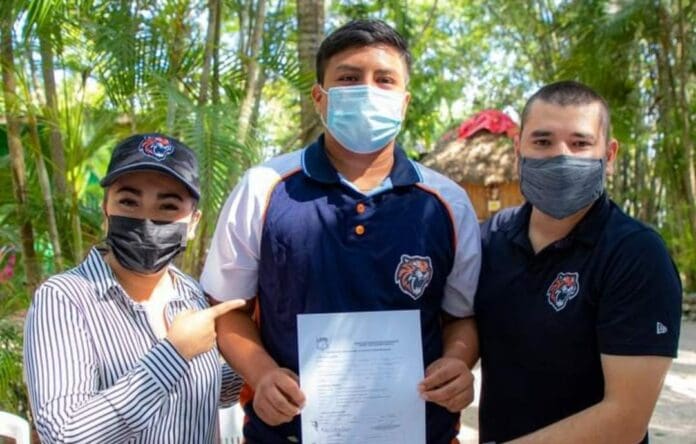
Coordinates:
[122,347]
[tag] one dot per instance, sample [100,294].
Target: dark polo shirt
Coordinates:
[544,319]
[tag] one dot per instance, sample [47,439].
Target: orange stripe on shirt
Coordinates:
[270,192]
[247,393]
[442,200]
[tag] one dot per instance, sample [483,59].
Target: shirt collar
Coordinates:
[316,165]
[517,227]
[590,228]
[586,231]
[97,271]
[191,287]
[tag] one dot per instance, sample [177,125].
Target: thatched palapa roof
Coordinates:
[481,157]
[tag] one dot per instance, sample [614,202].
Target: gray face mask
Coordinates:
[563,185]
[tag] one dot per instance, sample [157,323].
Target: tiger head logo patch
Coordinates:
[413,274]
[564,288]
[156,147]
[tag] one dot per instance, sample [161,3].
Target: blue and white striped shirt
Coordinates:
[97,373]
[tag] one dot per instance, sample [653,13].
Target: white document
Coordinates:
[360,373]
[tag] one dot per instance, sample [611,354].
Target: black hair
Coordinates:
[358,33]
[570,92]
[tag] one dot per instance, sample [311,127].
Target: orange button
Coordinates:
[359,230]
[360,208]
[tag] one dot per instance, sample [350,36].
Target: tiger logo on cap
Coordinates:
[157,147]
[413,274]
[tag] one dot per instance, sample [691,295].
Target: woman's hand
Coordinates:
[192,332]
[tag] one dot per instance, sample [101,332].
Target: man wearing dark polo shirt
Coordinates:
[578,305]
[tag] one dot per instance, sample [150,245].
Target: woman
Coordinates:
[122,347]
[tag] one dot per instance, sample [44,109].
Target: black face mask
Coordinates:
[145,246]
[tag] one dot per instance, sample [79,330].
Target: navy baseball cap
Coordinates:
[154,152]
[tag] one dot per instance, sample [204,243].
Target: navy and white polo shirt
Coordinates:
[301,240]
[609,287]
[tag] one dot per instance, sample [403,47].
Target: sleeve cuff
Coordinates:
[225,286]
[165,365]
[463,308]
[638,350]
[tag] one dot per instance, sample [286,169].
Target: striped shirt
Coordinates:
[97,373]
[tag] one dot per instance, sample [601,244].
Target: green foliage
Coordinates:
[127,66]
[124,67]
[13,395]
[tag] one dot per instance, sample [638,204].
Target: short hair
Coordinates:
[570,92]
[357,33]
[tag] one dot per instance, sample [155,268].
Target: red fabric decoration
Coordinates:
[492,120]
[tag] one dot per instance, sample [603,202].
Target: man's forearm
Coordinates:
[632,386]
[460,339]
[605,422]
[240,344]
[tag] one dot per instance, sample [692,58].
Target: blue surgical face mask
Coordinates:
[363,119]
[561,186]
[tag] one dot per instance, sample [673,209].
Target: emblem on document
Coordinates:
[322,343]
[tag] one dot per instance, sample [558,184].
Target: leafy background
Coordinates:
[232,77]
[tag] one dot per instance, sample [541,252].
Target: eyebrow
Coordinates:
[353,68]
[546,133]
[127,189]
[160,196]
[584,135]
[346,67]
[176,196]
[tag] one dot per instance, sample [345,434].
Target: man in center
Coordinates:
[346,224]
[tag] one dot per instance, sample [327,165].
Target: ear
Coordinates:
[317,97]
[516,145]
[193,224]
[407,101]
[105,215]
[612,151]
[516,142]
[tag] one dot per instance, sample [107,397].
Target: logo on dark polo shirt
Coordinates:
[156,147]
[564,288]
[660,328]
[413,274]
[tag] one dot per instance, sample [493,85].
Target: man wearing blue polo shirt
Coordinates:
[578,305]
[346,224]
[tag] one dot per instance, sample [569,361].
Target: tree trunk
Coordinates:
[17,165]
[51,113]
[175,57]
[40,161]
[45,184]
[77,246]
[243,18]
[213,6]
[31,94]
[258,94]
[196,254]
[671,128]
[310,25]
[216,54]
[684,62]
[253,74]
